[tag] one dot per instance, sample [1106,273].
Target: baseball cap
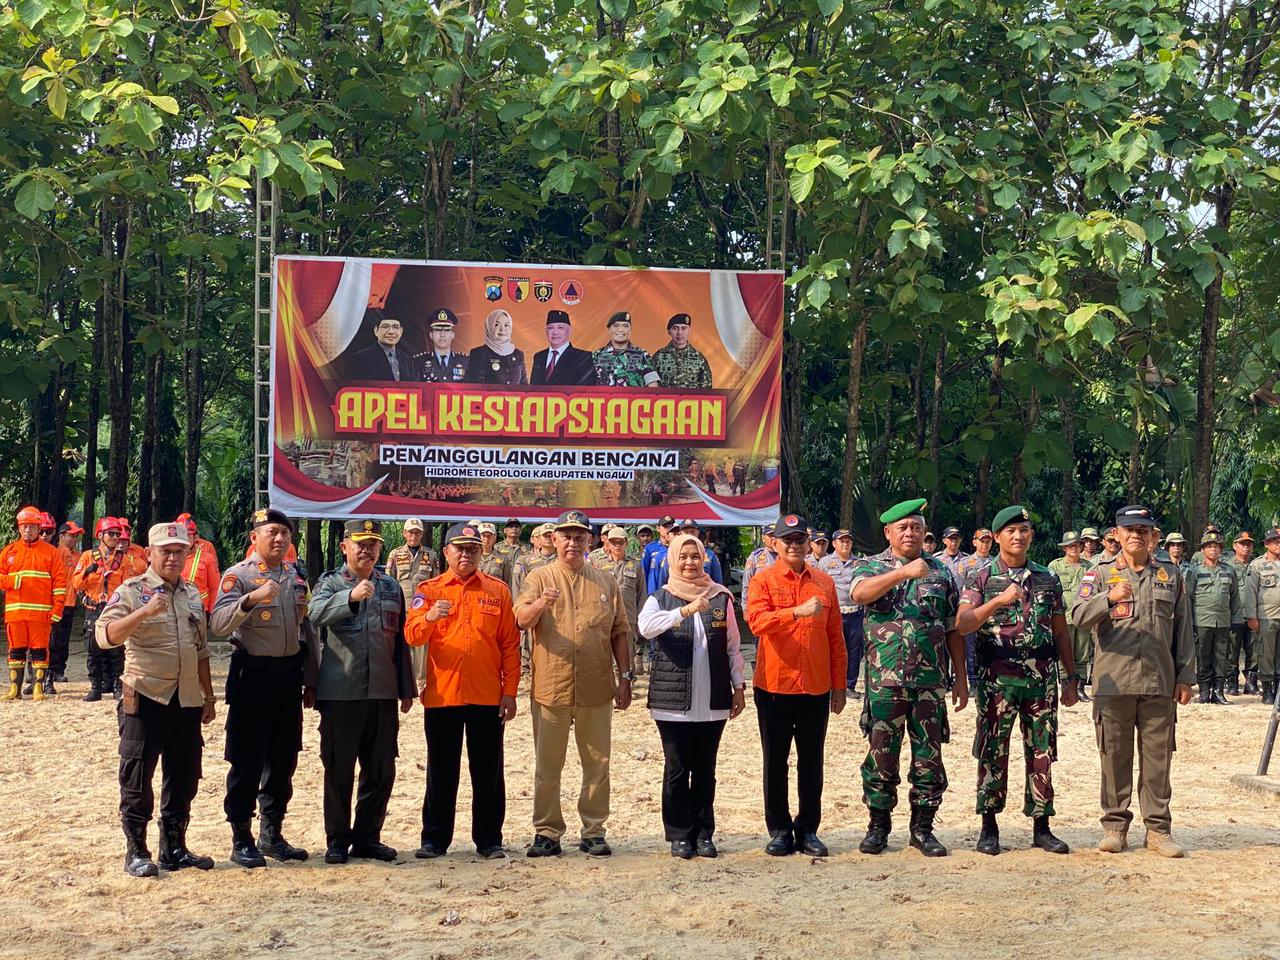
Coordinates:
[1243,536]
[1272,534]
[645,526]
[950,532]
[789,525]
[168,534]
[842,532]
[1090,533]
[413,523]
[821,535]
[70,527]
[1210,537]
[612,531]
[487,527]
[667,521]
[358,531]
[1135,515]
[513,522]
[543,528]
[462,533]
[573,520]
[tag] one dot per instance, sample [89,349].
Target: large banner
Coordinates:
[459,390]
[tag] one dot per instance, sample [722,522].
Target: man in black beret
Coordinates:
[678,364]
[562,364]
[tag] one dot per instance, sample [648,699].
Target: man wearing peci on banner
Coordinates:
[562,364]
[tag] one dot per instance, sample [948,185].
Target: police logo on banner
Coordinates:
[493,288]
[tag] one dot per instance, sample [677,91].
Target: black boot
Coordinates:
[1043,838]
[243,850]
[989,838]
[878,830]
[1268,692]
[174,854]
[137,858]
[1080,694]
[922,837]
[95,687]
[272,843]
[1233,685]
[1205,692]
[117,689]
[1251,681]
[1219,693]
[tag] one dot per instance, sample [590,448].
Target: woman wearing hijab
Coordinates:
[695,686]
[498,360]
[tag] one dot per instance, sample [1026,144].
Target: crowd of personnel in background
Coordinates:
[1122,613]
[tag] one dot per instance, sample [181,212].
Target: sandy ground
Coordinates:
[63,892]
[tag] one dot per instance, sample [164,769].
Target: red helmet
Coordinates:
[123,522]
[188,520]
[29,515]
[106,524]
[46,521]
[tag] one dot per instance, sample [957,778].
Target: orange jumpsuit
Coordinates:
[96,588]
[34,580]
[201,571]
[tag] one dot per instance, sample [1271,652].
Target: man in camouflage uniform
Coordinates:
[614,560]
[409,565]
[679,364]
[1016,607]
[910,602]
[1262,611]
[1215,606]
[542,553]
[441,364]
[983,542]
[619,363]
[1243,640]
[1070,569]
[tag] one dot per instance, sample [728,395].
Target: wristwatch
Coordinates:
[628,676]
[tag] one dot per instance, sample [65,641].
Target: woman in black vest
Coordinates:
[695,686]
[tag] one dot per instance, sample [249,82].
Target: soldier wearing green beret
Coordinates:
[909,628]
[1016,608]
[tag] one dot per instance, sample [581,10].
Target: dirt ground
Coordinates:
[63,892]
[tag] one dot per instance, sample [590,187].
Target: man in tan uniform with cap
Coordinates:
[1144,665]
[613,559]
[167,695]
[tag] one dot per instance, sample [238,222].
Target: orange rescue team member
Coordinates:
[201,568]
[464,619]
[60,643]
[98,574]
[35,585]
[135,551]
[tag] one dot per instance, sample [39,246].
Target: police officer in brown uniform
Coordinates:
[262,606]
[1144,665]
[167,694]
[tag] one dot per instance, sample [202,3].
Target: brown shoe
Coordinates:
[1163,844]
[1113,841]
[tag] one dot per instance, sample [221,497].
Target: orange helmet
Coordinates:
[28,515]
[188,520]
[46,521]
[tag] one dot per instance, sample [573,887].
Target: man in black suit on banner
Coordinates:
[384,360]
[562,364]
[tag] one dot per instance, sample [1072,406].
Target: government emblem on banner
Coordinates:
[518,289]
[493,288]
[543,290]
[571,292]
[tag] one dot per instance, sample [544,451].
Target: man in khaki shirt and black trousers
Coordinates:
[167,694]
[1144,665]
[580,632]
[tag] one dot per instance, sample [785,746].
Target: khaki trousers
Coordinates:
[592,730]
[1116,719]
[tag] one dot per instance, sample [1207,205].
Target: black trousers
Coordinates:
[445,728]
[363,730]
[689,778]
[105,665]
[264,735]
[853,641]
[168,732]
[784,718]
[60,642]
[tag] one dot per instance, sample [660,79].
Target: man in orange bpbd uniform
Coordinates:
[201,568]
[34,582]
[799,679]
[98,573]
[464,619]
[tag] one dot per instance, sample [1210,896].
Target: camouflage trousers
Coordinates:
[887,714]
[1036,707]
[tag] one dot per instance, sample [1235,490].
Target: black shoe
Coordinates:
[495,852]
[137,858]
[543,847]
[682,849]
[1233,685]
[707,849]
[811,846]
[1044,839]
[878,830]
[95,691]
[47,685]
[429,851]
[783,845]
[922,837]
[595,847]
[373,850]
[989,838]
[1080,694]
[336,852]
[243,850]
[1205,693]
[272,843]
[1251,682]
[1268,692]
[174,854]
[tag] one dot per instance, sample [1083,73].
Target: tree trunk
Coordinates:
[147,445]
[918,414]
[984,465]
[852,428]
[1068,475]
[314,557]
[92,415]
[118,358]
[1207,373]
[193,386]
[935,424]
[1133,480]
